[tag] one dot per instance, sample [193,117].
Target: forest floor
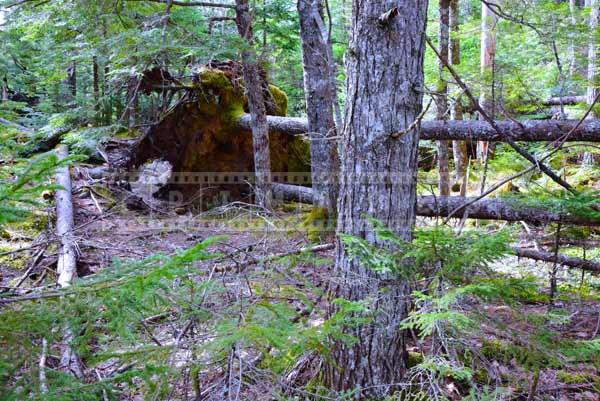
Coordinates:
[112,222]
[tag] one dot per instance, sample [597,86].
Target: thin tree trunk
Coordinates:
[378,178]
[572,47]
[72,79]
[593,75]
[5,89]
[442,97]
[488,57]
[96,88]
[256,103]
[320,98]
[132,104]
[459,148]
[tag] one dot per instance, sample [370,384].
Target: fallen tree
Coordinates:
[432,206]
[561,259]
[462,130]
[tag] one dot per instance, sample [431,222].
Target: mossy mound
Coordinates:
[201,134]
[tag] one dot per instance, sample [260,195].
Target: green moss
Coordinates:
[506,352]
[316,223]
[574,378]
[414,358]
[31,226]
[215,79]
[280,99]
[299,160]
[129,134]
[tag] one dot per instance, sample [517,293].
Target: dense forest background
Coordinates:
[182,216]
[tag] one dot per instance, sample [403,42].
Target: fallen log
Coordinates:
[569,261]
[431,206]
[462,130]
[67,264]
[557,101]
[495,209]
[15,125]
[67,256]
[293,193]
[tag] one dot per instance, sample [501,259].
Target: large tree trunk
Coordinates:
[320,100]
[378,178]
[524,131]
[488,57]
[442,97]
[436,206]
[256,103]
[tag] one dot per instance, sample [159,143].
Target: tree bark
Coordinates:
[256,104]
[442,97]
[436,206]
[378,178]
[534,130]
[320,97]
[488,57]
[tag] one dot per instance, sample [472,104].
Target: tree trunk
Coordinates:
[534,130]
[561,259]
[378,178]
[459,148]
[72,79]
[593,75]
[592,72]
[132,103]
[488,57]
[5,89]
[67,264]
[256,104]
[320,98]
[572,47]
[436,206]
[442,97]
[96,88]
